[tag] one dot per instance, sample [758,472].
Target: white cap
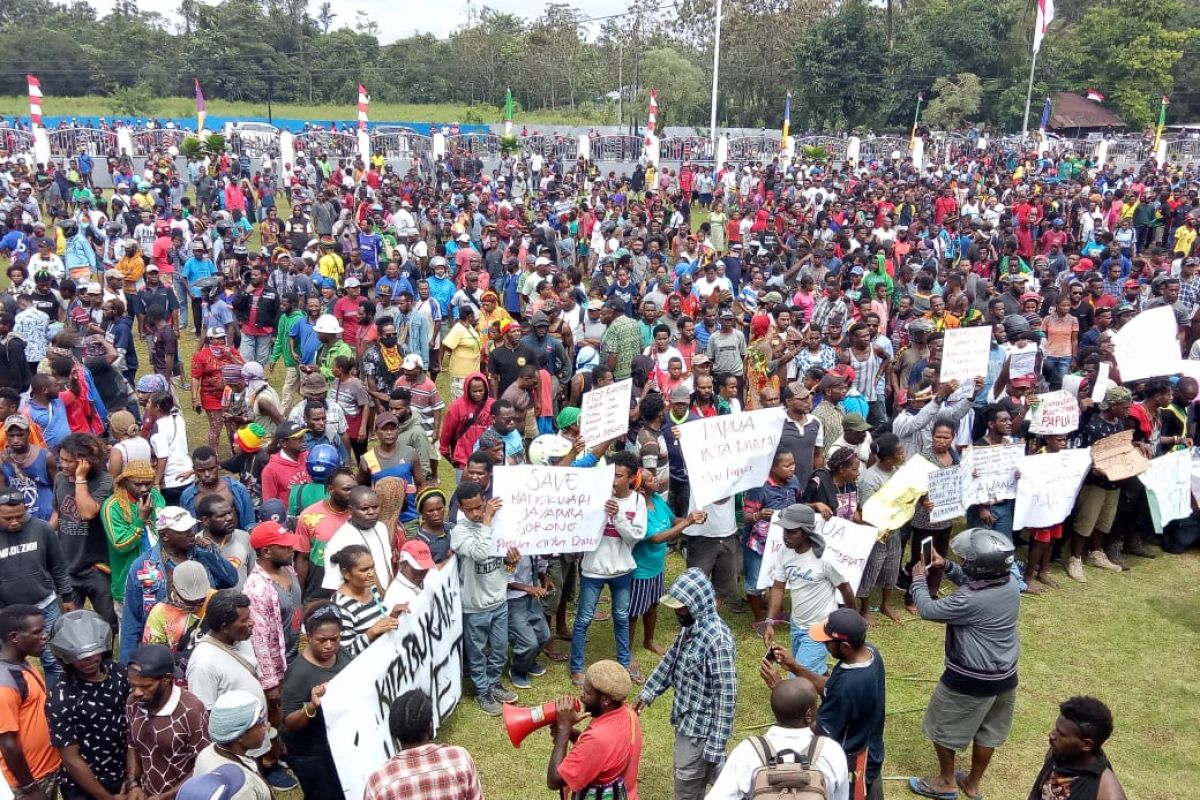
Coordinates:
[437,261]
[327,323]
[175,518]
[352,282]
[462,237]
[541,261]
[412,361]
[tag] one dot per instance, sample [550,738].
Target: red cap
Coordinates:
[417,555]
[1022,382]
[270,533]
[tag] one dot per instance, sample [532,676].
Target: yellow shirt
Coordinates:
[465,346]
[1185,237]
[332,266]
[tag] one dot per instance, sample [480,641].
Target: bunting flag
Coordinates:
[1045,15]
[652,118]
[364,101]
[35,100]
[1162,120]
[508,105]
[201,110]
[787,118]
[1045,116]
[1094,96]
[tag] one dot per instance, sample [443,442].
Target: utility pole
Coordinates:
[712,128]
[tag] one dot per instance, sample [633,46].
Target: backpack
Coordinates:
[797,780]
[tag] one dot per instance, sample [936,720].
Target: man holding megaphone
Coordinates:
[603,764]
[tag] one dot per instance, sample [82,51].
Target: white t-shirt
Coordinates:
[169,442]
[813,583]
[734,781]
[721,522]
[664,358]
[212,672]
[377,541]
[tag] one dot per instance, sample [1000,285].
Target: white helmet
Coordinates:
[547,448]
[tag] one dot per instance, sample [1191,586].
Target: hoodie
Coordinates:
[413,434]
[484,579]
[281,474]
[701,667]
[33,566]
[614,555]
[465,422]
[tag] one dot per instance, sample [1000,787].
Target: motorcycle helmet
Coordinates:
[547,449]
[79,634]
[322,460]
[985,553]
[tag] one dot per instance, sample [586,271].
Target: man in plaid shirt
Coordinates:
[423,769]
[700,666]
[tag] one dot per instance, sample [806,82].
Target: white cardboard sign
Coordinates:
[550,509]
[731,453]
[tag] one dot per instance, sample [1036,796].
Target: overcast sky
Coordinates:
[395,18]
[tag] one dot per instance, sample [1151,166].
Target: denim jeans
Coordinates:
[257,348]
[50,665]
[528,632]
[182,295]
[486,634]
[589,593]
[1061,365]
[808,653]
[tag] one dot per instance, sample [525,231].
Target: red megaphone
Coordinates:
[520,721]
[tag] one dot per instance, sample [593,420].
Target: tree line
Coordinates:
[851,63]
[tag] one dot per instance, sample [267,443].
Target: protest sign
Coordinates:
[946,494]
[847,546]
[550,509]
[731,453]
[989,474]
[1147,346]
[1116,458]
[604,414]
[894,503]
[1021,364]
[1195,475]
[1071,384]
[424,652]
[1168,482]
[1053,412]
[1048,486]
[1102,382]
[965,355]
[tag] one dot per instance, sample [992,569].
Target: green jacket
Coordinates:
[283,331]
[328,353]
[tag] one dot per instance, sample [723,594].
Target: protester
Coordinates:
[1076,761]
[30,760]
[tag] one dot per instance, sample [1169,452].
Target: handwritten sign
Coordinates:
[946,494]
[1116,458]
[1053,412]
[1102,382]
[604,413]
[424,652]
[1148,345]
[1071,384]
[896,501]
[965,354]
[1168,482]
[1021,364]
[550,509]
[1048,486]
[847,545]
[730,454]
[989,474]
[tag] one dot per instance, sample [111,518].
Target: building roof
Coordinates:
[1076,111]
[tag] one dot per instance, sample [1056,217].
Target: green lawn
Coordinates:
[97,106]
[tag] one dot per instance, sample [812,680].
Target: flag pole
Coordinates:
[1162,121]
[1029,96]
[916,118]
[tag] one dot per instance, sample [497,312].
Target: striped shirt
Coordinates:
[357,619]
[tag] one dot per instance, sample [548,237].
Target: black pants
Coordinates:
[317,775]
[197,314]
[94,585]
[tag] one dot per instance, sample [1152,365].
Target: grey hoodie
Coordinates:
[484,581]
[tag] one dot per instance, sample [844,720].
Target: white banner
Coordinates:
[965,354]
[1054,412]
[896,501]
[989,474]
[730,454]
[946,494]
[847,545]
[1148,346]
[1168,485]
[550,509]
[1048,487]
[424,652]
[604,412]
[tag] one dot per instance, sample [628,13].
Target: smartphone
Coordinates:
[927,550]
[770,656]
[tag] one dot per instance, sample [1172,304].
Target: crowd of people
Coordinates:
[189,601]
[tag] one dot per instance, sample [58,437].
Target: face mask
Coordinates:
[263,748]
[388,341]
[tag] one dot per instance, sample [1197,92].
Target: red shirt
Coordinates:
[346,311]
[610,748]
[427,772]
[252,326]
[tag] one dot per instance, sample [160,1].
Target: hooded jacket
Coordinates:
[701,667]
[412,434]
[465,422]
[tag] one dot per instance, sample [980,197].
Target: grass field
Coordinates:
[1131,639]
[185,107]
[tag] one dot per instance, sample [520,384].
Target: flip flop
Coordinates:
[636,676]
[923,787]
[960,775]
[554,655]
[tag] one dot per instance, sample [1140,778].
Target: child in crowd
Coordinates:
[759,505]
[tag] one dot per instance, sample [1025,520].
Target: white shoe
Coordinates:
[1098,559]
[1075,570]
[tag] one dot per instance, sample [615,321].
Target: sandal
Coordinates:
[555,655]
[635,675]
[924,787]
[960,775]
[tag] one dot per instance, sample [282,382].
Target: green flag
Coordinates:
[508,105]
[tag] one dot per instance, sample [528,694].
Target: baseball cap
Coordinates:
[855,422]
[152,267]
[795,390]
[17,421]
[352,283]
[313,382]
[539,319]
[595,304]
[416,554]
[843,625]
[266,534]
[216,332]
[726,313]
[830,380]
[796,516]
[223,783]
[412,361]
[681,394]
[190,580]
[116,274]
[386,419]
[541,261]
[152,661]
[700,359]
[1131,284]
[462,237]
[272,511]
[93,288]
[290,430]
[175,518]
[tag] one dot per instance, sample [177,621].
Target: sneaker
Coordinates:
[489,705]
[537,670]
[280,778]
[519,681]
[1098,559]
[736,607]
[1075,570]
[503,695]
[1114,555]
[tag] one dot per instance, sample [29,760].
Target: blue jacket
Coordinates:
[80,252]
[147,586]
[307,341]
[241,502]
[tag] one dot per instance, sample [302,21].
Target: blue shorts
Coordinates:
[751,565]
[809,654]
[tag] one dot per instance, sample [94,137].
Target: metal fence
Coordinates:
[255,142]
[562,148]
[685,148]
[1183,150]
[157,139]
[395,142]
[834,146]
[338,144]
[65,142]
[15,140]
[883,148]
[617,148]
[753,148]
[486,145]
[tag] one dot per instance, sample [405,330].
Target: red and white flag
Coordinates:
[35,100]
[1045,15]
[652,117]
[1094,96]
[364,100]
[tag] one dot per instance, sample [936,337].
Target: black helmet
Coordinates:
[1016,325]
[79,634]
[985,553]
